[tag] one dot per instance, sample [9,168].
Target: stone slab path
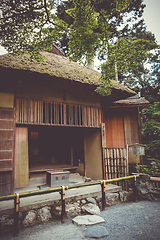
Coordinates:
[87,220]
[96,232]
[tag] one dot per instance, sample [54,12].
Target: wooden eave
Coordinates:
[131,102]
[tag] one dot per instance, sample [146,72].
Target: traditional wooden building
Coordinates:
[122,123]
[52,119]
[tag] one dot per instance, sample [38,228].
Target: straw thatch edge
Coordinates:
[58,66]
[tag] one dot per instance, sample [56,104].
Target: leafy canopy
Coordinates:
[23,26]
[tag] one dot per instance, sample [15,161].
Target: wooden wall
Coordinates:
[114,131]
[6,92]
[122,128]
[131,132]
[21,157]
[58,93]
[131,128]
[93,154]
[6,150]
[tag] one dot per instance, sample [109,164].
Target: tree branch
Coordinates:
[20,14]
[48,18]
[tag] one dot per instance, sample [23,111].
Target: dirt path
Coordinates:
[132,221]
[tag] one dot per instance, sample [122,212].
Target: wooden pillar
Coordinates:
[71,153]
[103,136]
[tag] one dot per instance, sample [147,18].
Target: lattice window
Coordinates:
[116,164]
[39,112]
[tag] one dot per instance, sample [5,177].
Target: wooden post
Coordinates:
[106,164]
[127,160]
[63,214]
[112,168]
[115,164]
[109,167]
[103,163]
[118,167]
[122,163]
[103,187]
[71,153]
[123,185]
[135,188]
[16,214]
[103,137]
[125,168]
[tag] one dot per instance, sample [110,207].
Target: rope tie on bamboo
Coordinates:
[103,183]
[17,202]
[135,180]
[63,192]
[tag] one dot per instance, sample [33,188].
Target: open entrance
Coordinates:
[55,148]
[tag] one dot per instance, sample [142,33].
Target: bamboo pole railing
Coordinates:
[57,189]
[156,181]
[16,197]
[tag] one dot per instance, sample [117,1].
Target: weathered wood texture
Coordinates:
[6,150]
[131,129]
[121,127]
[114,131]
[131,133]
[115,160]
[39,112]
[21,157]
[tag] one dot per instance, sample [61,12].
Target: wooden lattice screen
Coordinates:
[40,112]
[116,164]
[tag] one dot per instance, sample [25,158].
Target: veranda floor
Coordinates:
[41,167]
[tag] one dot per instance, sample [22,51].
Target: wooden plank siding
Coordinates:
[131,129]
[114,131]
[40,112]
[121,127]
[6,150]
[131,132]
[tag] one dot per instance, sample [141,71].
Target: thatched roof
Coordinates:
[60,67]
[135,101]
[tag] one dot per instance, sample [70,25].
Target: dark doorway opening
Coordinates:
[55,148]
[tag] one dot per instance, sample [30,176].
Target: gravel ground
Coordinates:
[132,221]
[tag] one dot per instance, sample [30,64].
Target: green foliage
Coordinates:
[123,51]
[150,125]
[126,55]
[82,39]
[152,169]
[147,82]
[23,27]
[122,4]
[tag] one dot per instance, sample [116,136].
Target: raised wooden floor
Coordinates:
[51,167]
